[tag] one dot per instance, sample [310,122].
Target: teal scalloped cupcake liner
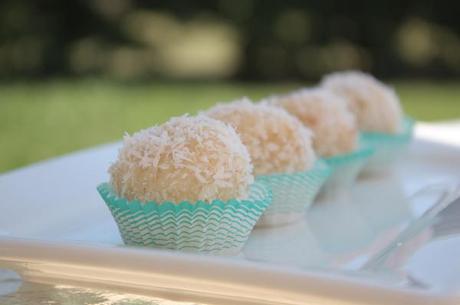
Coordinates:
[345,169]
[388,147]
[219,227]
[293,194]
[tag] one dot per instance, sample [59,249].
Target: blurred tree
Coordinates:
[244,39]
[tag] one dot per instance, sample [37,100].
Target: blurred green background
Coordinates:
[76,74]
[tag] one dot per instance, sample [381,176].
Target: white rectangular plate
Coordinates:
[54,227]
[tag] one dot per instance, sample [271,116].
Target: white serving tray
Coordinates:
[54,227]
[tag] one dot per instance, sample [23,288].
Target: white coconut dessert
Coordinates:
[327,115]
[376,106]
[277,141]
[282,152]
[185,159]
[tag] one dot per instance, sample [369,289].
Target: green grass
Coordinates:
[41,120]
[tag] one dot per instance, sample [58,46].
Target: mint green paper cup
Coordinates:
[219,227]
[293,194]
[388,147]
[345,169]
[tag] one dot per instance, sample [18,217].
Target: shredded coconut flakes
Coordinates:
[185,159]
[375,105]
[276,140]
[333,125]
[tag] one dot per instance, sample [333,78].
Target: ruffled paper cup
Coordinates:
[293,194]
[388,147]
[219,227]
[345,169]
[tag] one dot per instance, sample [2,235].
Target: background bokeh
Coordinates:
[250,40]
[79,73]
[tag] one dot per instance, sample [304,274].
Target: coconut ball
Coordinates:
[185,159]
[333,125]
[276,140]
[375,105]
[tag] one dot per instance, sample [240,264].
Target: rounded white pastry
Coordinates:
[375,105]
[185,159]
[277,141]
[326,114]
